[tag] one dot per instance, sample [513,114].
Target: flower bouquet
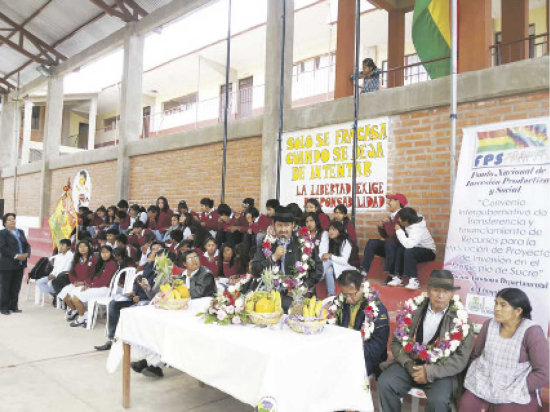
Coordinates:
[228,306]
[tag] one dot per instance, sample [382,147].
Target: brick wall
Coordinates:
[27,196]
[103,183]
[418,161]
[194,173]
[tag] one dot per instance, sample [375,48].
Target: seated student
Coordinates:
[510,359]
[82,270]
[239,214]
[111,235]
[257,223]
[174,225]
[183,246]
[123,221]
[209,216]
[270,206]
[185,222]
[313,205]
[335,251]
[387,246]
[153,213]
[123,205]
[297,212]
[122,242]
[417,245]
[96,287]
[150,241]
[228,266]
[137,234]
[356,296]
[227,230]
[101,240]
[111,215]
[341,215]
[165,214]
[136,297]
[100,218]
[432,323]
[121,257]
[315,228]
[136,214]
[176,236]
[200,282]
[61,263]
[210,258]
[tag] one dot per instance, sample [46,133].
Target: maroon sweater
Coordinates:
[324,220]
[534,349]
[83,271]
[165,219]
[103,279]
[212,265]
[230,270]
[261,226]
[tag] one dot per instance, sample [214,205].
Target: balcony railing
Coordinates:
[414,73]
[522,49]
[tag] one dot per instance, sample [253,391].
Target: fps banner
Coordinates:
[317,163]
[499,233]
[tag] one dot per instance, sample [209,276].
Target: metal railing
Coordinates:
[522,49]
[313,86]
[415,73]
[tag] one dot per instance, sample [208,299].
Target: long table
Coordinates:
[324,372]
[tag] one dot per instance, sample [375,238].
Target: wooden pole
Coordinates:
[126,376]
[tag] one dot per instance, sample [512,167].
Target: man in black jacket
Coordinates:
[14,250]
[285,252]
[352,316]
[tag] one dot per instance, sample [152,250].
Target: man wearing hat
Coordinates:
[387,245]
[431,324]
[286,251]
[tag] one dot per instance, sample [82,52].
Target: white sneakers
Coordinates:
[396,281]
[412,285]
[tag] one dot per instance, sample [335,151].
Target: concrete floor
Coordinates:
[45,365]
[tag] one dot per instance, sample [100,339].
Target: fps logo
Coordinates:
[488,159]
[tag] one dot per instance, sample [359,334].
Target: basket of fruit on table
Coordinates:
[264,308]
[173,297]
[307,316]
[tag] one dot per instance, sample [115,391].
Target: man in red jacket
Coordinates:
[387,245]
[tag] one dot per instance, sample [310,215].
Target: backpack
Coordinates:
[42,268]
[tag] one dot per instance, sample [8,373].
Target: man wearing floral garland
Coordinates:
[359,307]
[291,254]
[431,347]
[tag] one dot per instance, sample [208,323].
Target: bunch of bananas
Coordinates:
[174,292]
[312,308]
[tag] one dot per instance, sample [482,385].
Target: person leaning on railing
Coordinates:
[370,75]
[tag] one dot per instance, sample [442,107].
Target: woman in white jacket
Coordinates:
[335,250]
[417,246]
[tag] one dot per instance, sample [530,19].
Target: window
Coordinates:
[180,104]
[35,120]
[245,97]
[414,72]
[110,123]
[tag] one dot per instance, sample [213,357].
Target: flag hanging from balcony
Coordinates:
[431,34]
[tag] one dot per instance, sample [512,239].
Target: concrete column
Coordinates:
[345,49]
[51,141]
[27,128]
[515,26]
[273,54]
[92,115]
[131,116]
[66,127]
[475,35]
[396,46]
[8,133]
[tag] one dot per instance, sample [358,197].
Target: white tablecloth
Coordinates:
[324,372]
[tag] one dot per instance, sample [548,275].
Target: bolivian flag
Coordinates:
[431,35]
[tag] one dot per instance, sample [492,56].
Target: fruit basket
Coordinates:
[174,304]
[172,297]
[264,308]
[307,316]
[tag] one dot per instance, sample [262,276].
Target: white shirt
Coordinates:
[339,263]
[188,278]
[62,262]
[431,323]
[187,233]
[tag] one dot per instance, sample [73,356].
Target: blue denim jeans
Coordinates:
[328,275]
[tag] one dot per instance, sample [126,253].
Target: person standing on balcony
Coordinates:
[370,75]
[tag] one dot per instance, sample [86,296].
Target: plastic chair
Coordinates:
[95,304]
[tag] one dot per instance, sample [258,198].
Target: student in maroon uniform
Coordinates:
[124,221]
[209,216]
[257,222]
[210,258]
[227,231]
[122,258]
[176,236]
[228,264]
[80,274]
[174,225]
[313,224]
[97,286]
[185,222]
[111,214]
[111,235]
[100,217]
[137,235]
[239,214]
[152,217]
[122,242]
[312,205]
[270,207]
[165,214]
[341,215]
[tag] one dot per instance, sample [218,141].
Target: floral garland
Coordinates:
[228,306]
[439,350]
[292,280]
[371,310]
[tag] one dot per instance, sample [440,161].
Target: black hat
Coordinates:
[283,214]
[443,279]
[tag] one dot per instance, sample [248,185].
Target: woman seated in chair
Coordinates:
[96,287]
[510,359]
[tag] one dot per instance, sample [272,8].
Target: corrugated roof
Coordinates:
[57,20]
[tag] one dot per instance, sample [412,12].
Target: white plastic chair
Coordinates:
[38,295]
[95,304]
